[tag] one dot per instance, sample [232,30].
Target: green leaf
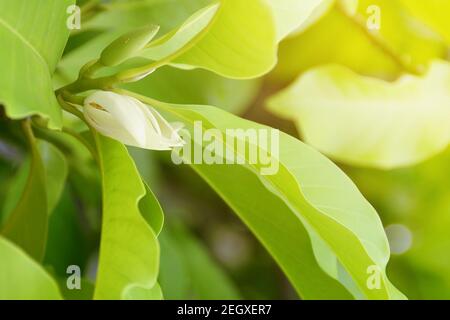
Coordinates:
[242,52]
[31,47]
[21,278]
[55,166]
[291,14]
[14,190]
[27,224]
[151,210]
[140,293]
[276,227]
[370,122]
[343,226]
[433,13]
[129,250]
[179,39]
[401,42]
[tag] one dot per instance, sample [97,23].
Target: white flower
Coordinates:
[129,121]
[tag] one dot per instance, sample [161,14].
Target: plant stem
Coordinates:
[83,141]
[70,108]
[26,125]
[89,69]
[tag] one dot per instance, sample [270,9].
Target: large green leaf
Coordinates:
[275,225]
[402,42]
[183,37]
[55,169]
[55,166]
[14,190]
[247,46]
[241,53]
[33,34]
[151,210]
[291,14]
[129,250]
[22,278]
[27,223]
[367,121]
[434,13]
[344,228]
[140,293]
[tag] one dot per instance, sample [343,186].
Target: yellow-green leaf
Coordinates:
[319,201]
[370,122]
[33,34]
[129,250]
[27,224]
[291,14]
[21,278]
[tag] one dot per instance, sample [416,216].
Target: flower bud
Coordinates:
[127,45]
[129,121]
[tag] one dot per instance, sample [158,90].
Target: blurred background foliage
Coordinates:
[203,242]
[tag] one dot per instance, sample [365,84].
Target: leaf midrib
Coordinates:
[8,27]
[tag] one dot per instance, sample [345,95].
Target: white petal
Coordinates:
[130,121]
[159,132]
[104,123]
[125,111]
[169,135]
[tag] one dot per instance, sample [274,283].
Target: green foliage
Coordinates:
[27,224]
[124,265]
[289,15]
[433,13]
[323,199]
[401,42]
[339,124]
[22,278]
[366,82]
[34,47]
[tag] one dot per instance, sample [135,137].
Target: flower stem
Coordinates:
[26,125]
[83,141]
[69,107]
